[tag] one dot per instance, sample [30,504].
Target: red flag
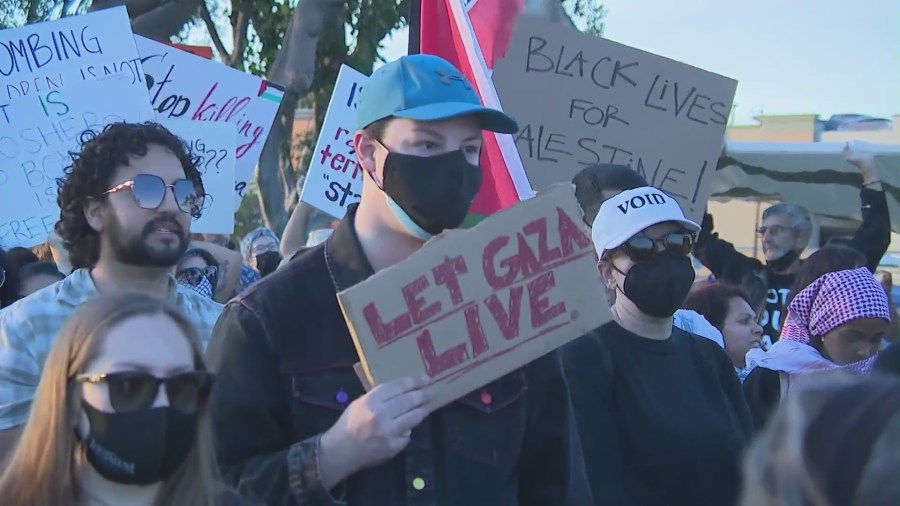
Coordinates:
[441,34]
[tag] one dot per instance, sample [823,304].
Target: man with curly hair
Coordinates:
[126,205]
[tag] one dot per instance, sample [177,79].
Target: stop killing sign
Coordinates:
[474,305]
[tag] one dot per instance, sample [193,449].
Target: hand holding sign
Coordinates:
[374,428]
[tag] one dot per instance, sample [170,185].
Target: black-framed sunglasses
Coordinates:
[149,191]
[194,275]
[641,248]
[133,390]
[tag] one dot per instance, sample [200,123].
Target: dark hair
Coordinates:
[594,179]
[202,253]
[39,269]
[19,257]
[823,261]
[9,290]
[91,172]
[712,302]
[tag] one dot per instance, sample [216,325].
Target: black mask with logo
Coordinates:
[784,262]
[138,448]
[267,262]
[435,192]
[658,287]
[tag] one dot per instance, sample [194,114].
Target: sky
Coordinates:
[789,56]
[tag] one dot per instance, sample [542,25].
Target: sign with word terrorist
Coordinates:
[603,102]
[213,145]
[185,86]
[43,56]
[37,133]
[474,305]
[334,180]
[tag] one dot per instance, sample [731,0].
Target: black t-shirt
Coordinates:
[762,389]
[660,422]
[776,305]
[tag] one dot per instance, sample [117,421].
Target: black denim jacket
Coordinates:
[284,359]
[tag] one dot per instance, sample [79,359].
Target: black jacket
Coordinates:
[284,358]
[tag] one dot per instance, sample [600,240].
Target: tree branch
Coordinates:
[213,31]
[239,36]
[165,21]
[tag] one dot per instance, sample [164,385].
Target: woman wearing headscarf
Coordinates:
[837,322]
[659,410]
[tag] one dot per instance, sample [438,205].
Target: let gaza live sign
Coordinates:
[474,305]
[334,179]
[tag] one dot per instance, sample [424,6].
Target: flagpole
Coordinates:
[415,26]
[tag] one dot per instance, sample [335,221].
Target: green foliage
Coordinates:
[15,13]
[588,15]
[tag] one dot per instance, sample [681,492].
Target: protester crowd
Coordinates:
[142,364]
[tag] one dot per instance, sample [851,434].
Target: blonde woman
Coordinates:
[835,441]
[119,416]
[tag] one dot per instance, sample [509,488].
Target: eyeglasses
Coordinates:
[2,276]
[194,275]
[149,191]
[133,391]
[641,248]
[774,230]
[259,249]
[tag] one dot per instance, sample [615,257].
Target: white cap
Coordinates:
[624,215]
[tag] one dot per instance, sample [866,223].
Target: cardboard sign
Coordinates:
[581,100]
[37,133]
[334,180]
[185,86]
[213,143]
[474,305]
[814,175]
[44,56]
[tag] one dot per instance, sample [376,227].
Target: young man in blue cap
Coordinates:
[293,423]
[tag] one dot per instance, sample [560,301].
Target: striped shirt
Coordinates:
[28,329]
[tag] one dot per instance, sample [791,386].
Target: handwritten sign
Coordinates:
[43,56]
[474,305]
[213,143]
[334,180]
[37,133]
[603,102]
[186,86]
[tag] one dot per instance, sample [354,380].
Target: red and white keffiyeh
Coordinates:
[830,301]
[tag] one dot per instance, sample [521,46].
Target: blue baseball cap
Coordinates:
[425,88]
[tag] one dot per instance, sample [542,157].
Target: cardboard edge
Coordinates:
[367,376]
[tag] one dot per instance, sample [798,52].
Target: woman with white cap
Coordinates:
[659,410]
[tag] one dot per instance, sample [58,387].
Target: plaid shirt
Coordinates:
[28,329]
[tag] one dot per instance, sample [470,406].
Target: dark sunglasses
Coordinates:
[194,275]
[133,391]
[149,191]
[641,248]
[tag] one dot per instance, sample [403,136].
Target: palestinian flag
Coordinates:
[473,37]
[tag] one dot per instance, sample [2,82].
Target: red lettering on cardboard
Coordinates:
[436,363]
[499,281]
[417,305]
[539,227]
[507,317]
[447,273]
[476,331]
[542,312]
[385,333]
[570,233]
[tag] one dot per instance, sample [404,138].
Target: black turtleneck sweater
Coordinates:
[661,423]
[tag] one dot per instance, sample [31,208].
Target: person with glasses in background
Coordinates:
[659,410]
[784,233]
[120,413]
[260,251]
[199,271]
[126,205]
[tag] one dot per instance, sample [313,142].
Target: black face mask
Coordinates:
[658,287]
[434,191]
[138,448]
[783,263]
[267,262]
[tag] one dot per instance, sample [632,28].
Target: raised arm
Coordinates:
[873,236]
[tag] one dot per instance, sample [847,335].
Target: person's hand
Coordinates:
[864,161]
[374,428]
